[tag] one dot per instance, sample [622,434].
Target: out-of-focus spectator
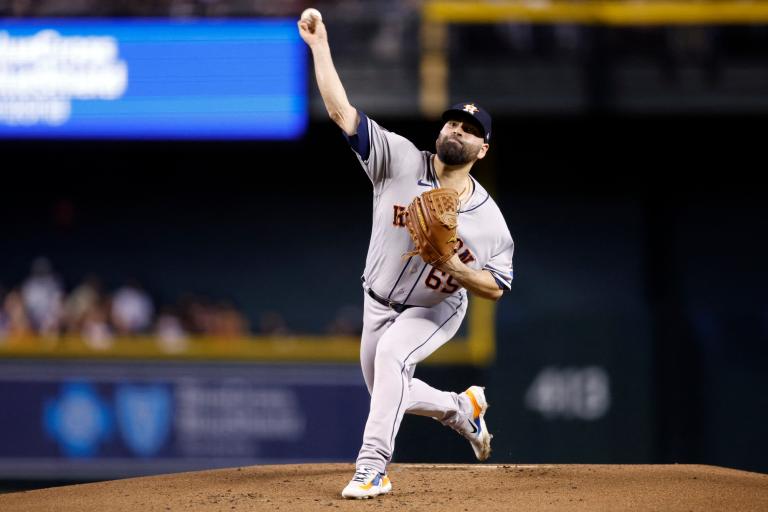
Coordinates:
[134,7]
[16,7]
[272,8]
[3,316]
[132,309]
[95,328]
[229,322]
[224,320]
[347,322]
[80,302]
[396,19]
[17,325]
[196,315]
[272,323]
[170,331]
[53,7]
[42,295]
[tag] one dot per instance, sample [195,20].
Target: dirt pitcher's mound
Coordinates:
[426,487]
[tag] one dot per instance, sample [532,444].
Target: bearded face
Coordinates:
[455,149]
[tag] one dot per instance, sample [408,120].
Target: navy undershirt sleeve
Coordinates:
[361,141]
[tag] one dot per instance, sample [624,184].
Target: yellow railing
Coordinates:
[478,348]
[603,12]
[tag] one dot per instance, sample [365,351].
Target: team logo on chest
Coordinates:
[398,220]
[465,255]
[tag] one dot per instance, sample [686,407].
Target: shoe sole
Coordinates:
[367,496]
[361,496]
[382,490]
[485,451]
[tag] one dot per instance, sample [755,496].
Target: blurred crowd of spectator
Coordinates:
[212,8]
[152,7]
[392,17]
[40,307]
[395,27]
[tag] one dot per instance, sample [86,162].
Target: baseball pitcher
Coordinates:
[436,235]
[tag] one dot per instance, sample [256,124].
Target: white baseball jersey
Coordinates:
[399,172]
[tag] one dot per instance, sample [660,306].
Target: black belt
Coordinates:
[394,306]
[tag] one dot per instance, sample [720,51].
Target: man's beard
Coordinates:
[454,153]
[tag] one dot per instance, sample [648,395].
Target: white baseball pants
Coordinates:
[391,346]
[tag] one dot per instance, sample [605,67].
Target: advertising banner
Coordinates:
[109,420]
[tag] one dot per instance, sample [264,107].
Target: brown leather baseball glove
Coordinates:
[432,222]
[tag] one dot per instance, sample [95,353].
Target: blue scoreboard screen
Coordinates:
[152,79]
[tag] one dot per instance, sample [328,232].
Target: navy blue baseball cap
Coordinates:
[473,113]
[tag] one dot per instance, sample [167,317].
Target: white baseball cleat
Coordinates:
[367,483]
[475,429]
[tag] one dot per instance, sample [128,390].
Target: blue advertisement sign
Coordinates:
[152,79]
[114,420]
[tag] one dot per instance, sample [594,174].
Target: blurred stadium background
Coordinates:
[183,231]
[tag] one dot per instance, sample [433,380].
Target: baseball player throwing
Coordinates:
[413,307]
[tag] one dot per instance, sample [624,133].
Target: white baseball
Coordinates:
[311,13]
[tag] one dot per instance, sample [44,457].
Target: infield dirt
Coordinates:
[417,487]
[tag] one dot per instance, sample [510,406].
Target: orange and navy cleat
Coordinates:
[367,483]
[475,429]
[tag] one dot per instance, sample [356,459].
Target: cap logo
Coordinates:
[469,107]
